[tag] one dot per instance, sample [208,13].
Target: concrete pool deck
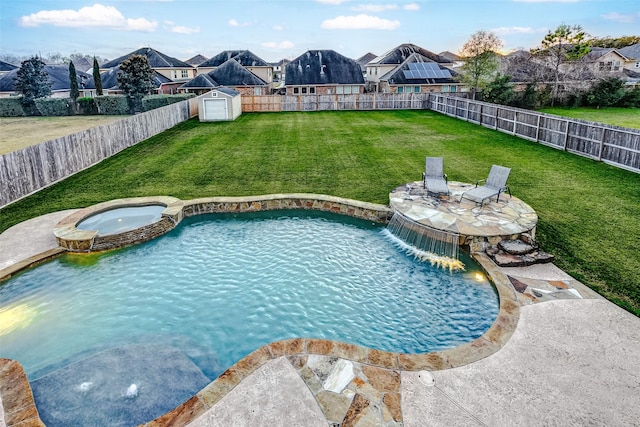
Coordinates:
[571,360]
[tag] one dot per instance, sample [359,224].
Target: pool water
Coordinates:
[219,286]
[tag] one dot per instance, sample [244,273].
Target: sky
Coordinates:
[279,29]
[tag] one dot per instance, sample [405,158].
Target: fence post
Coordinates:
[495,126]
[515,121]
[602,140]
[538,129]
[566,136]
[480,118]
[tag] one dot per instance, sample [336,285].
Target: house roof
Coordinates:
[450,56]
[156,59]
[231,73]
[196,60]
[631,52]
[58,79]
[109,79]
[245,58]
[228,91]
[399,76]
[83,64]
[365,59]
[400,53]
[201,81]
[599,52]
[5,66]
[318,67]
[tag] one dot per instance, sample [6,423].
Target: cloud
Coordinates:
[359,22]
[332,1]
[172,27]
[90,17]
[275,45]
[411,6]
[234,23]
[278,27]
[374,7]
[503,31]
[621,18]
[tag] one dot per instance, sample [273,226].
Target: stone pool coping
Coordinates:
[490,342]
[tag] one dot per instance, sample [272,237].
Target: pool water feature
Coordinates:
[219,286]
[119,220]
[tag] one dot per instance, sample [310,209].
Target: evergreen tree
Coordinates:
[74,90]
[97,79]
[33,81]
[565,44]
[499,91]
[606,93]
[136,80]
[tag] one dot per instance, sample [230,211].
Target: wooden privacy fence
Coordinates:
[610,144]
[335,102]
[33,168]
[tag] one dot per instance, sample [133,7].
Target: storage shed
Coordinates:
[219,104]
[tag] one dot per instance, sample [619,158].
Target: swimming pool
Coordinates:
[219,286]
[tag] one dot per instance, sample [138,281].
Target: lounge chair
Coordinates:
[435,180]
[495,184]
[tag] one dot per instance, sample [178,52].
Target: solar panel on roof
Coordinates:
[426,70]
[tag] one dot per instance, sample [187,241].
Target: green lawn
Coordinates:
[625,117]
[588,210]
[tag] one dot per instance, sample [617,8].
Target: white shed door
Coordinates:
[215,109]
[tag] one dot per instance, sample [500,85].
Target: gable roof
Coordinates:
[450,56]
[316,67]
[110,79]
[365,59]
[201,81]
[400,54]
[398,75]
[231,73]
[631,52]
[196,60]
[58,79]
[156,59]
[5,66]
[599,52]
[245,58]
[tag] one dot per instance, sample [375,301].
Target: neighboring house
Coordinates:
[364,60]
[230,74]
[5,67]
[175,70]
[419,74]
[83,64]
[111,86]
[279,70]
[323,72]
[604,61]
[389,61]
[58,79]
[246,58]
[454,60]
[632,53]
[196,60]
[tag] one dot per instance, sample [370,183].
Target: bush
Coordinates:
[87,106]
[113,105]
[606,93]
[631,98]
[54,106]
[12,107]
[151,102]
[526,98]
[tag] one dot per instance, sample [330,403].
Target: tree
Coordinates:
[97,79]
[136,80]
[565,44]
[499,91]
[617,42]
[74,90]
[481,59]
[33,81]
[606,93]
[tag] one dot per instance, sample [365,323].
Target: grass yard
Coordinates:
[21,132]
[588,210]
[625,117]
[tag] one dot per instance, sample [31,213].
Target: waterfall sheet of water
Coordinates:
[425,243]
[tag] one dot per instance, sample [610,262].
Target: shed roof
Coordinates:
[58,79]
[231,73]
[156,59]
[321,67]
[399,54]
[245,58]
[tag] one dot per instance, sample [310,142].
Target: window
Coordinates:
[454,88]
[400,89]
[416,89]
[445,88]
[296,90]
[355,89]
[257,91]
[304,90]
[347,90]
[312,90]
[339,90]
[175,74]
[185,74]
[637,64]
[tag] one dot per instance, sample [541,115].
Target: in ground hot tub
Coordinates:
[119,220]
